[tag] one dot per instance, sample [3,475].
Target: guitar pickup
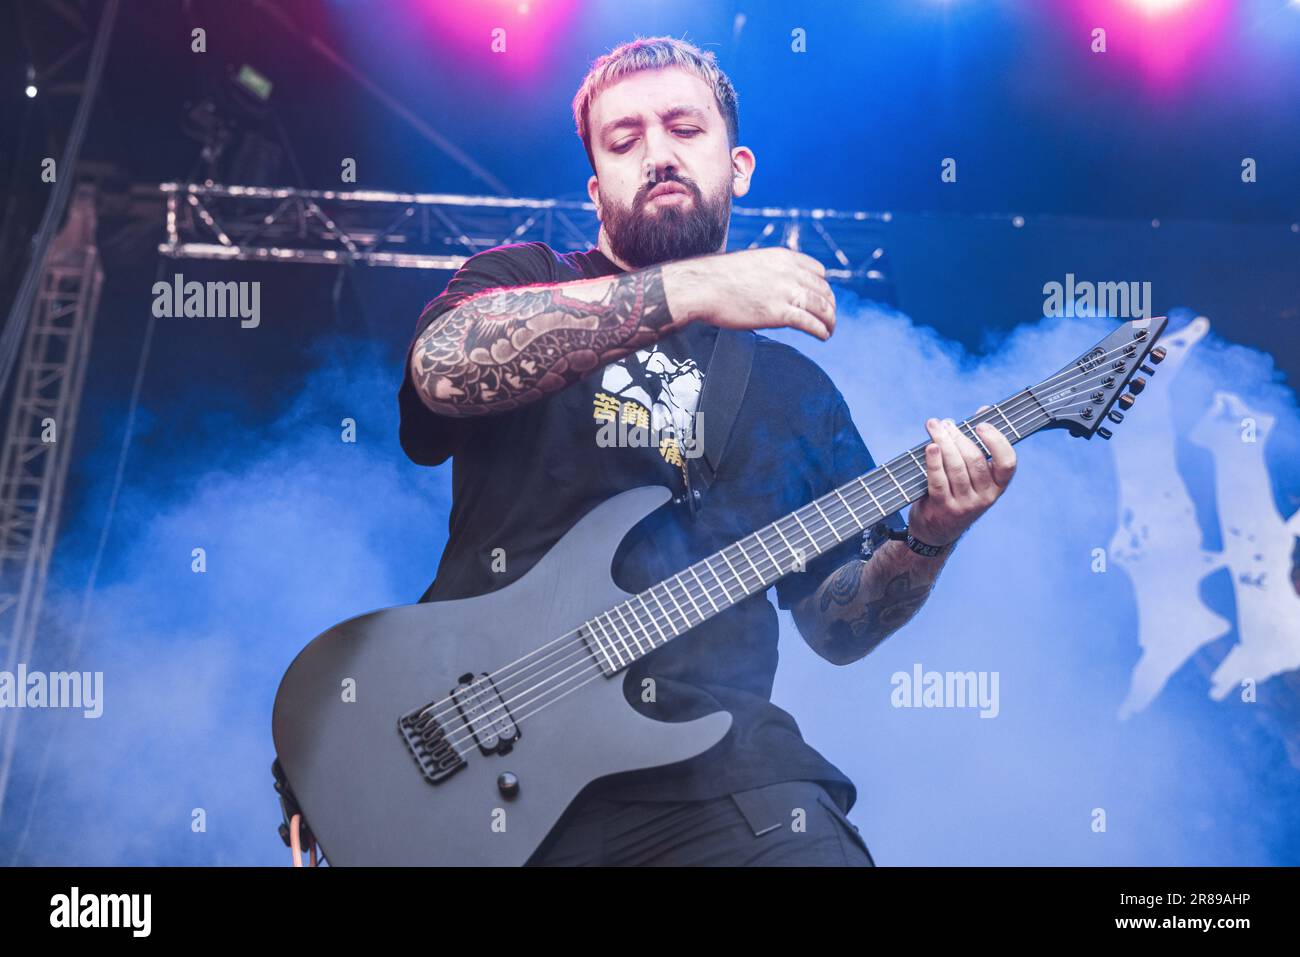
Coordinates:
[486,714]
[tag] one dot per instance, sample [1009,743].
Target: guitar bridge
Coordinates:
[437,757]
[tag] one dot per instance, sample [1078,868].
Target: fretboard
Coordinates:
[653,617]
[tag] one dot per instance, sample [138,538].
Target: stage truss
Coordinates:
[442,230]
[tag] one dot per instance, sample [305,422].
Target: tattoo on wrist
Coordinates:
[503,349]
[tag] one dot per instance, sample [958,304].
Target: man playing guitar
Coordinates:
[517,367]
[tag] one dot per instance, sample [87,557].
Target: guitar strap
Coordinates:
[725,381]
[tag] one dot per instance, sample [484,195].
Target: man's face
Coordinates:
[655,131]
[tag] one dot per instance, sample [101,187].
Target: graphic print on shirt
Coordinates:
[649,390]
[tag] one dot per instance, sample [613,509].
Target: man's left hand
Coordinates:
[961,483]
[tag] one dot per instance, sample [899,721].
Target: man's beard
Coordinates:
[674,231]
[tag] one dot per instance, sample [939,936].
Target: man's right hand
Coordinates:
[766,288]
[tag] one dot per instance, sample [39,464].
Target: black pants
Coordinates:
[790,824]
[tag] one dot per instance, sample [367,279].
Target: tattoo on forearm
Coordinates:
[850,621]
[844,585]
[503,349]
[877,618]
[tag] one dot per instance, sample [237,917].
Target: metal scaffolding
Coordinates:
[441,230]
[38,437]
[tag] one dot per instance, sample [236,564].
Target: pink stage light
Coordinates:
[1164,39]
[1156,8]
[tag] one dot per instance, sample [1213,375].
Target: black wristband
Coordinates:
[921,548]
[882,531]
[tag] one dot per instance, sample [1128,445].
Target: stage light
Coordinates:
[31,83]
[31,91]
[1155,8]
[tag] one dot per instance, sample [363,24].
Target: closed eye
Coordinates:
[627,144]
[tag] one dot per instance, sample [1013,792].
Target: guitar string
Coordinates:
[1024,413]
[1023,410]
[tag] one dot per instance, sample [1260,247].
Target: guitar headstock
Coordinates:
[1081,396]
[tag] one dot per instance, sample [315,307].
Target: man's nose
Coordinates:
[660,161]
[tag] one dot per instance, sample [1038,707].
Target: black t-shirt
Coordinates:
[521,479]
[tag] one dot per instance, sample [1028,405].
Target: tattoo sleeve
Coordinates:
[863,602]
[503,348]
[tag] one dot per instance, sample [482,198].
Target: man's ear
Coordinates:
[593,191]
[742,170]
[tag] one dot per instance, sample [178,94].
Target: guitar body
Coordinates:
[357,780]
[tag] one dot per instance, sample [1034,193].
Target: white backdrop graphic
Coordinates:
[1159,542]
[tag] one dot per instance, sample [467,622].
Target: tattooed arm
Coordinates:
[503,348]
[864,602]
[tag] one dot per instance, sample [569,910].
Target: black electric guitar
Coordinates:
[458,732]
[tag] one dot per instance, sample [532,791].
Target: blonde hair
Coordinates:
[653,53]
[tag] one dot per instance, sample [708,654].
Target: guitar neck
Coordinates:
[652,618]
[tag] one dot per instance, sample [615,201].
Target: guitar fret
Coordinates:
[653,622]
[976,439]
[744,551]
[834,531]
[613,643]
[619,609]
[1006,420]
[852,514]
[639,651]
[718,579]
[803,528]
[630,622]
[703,588]
[663,612]
[793,553]
[600,642]
[770,556]
[723,553]
[867,488]
[668,589]
[895,481]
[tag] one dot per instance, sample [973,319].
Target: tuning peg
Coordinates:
[1137,385]
[1126,401]
[1157,355]
[1104,432]
[1147,369]
[1115,416]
